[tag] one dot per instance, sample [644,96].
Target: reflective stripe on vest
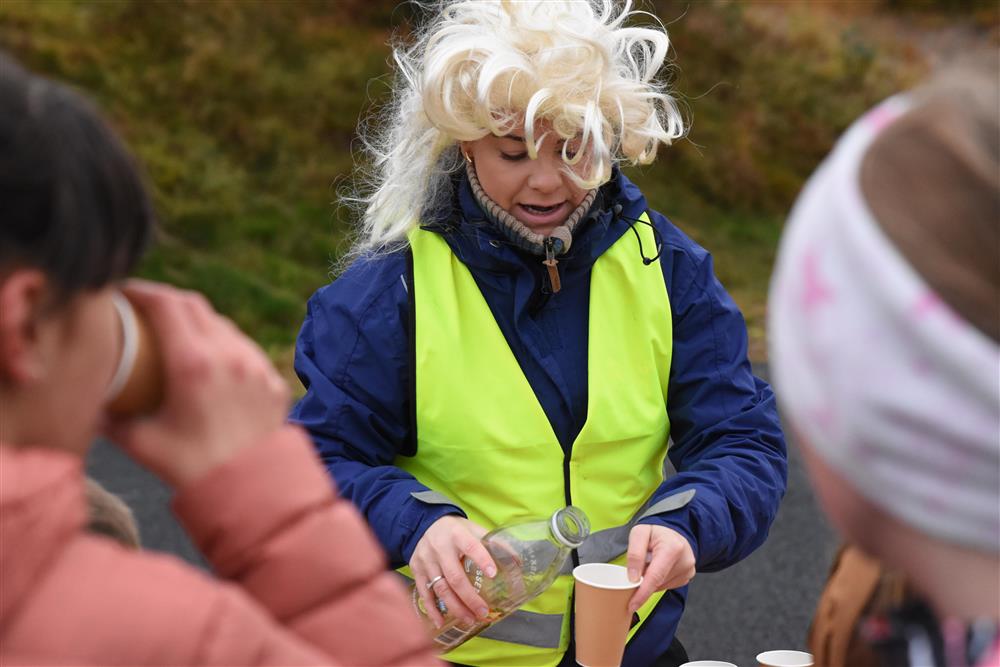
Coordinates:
[485,443]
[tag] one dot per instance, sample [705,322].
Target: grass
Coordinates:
[243,113]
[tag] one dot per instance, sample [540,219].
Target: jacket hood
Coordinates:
[41,509]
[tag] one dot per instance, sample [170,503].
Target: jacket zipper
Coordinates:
[569,497]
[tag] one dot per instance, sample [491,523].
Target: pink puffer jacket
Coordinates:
[301,580]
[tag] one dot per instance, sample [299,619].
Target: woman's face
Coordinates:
[537,192]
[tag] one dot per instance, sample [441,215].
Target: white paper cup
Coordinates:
[785,659]
[708,663]
[602,619]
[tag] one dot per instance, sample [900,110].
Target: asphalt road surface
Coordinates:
[764,602]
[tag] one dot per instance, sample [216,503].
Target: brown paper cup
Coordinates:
[138,382]
[785,659]
[602,619]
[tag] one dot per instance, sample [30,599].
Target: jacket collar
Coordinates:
[479,245]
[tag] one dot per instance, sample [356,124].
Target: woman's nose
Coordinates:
[546,175]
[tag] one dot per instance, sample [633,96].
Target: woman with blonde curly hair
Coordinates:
[519,331]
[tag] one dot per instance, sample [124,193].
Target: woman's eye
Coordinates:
[571,149]
[513,157]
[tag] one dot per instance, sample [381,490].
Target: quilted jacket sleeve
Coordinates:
[271,522]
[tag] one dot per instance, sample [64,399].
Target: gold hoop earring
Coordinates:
[467,158]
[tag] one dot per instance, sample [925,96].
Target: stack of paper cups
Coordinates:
[785,659]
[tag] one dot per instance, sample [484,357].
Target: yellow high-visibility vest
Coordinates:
[484,443]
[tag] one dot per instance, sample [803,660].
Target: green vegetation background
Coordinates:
[244,112]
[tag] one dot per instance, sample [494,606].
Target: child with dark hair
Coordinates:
[300,578]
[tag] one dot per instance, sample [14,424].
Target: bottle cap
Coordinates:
[570,526]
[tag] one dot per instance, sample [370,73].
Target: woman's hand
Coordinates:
[222,393]
[437,560]
[662,556]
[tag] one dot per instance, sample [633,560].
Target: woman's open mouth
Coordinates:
[535,214]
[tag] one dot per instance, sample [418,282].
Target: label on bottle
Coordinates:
[474,573]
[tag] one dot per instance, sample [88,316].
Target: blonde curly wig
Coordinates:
[490,66]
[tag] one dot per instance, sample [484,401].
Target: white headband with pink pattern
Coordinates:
[891,388]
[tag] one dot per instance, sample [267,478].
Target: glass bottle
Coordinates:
[529,556]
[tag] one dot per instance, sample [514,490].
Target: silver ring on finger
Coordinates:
[430,584]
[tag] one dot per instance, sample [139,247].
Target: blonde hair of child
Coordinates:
[489,66]
[110,516]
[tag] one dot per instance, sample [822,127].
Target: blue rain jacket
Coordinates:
[353,356]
